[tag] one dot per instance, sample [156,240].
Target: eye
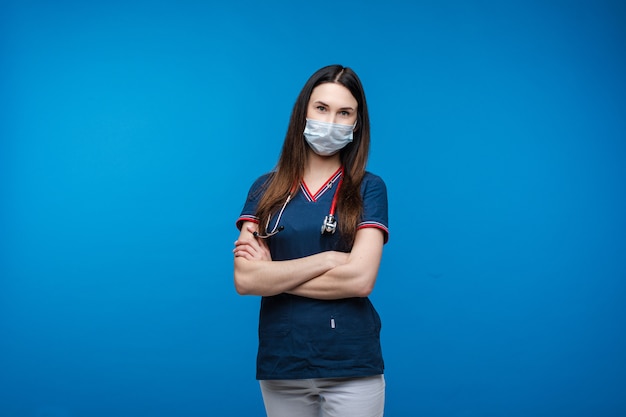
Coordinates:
[321,108]
[345,113]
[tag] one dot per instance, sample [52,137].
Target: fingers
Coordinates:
[251,254]
[250,247]
[243,254]
[244,247]
[246,244]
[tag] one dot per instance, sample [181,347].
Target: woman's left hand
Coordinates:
[252,248]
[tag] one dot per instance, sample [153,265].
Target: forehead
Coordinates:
[333,94]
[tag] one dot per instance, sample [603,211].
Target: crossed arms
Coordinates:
[326,275]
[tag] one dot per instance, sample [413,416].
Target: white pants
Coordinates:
[324,397]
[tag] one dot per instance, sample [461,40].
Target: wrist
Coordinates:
[335,259]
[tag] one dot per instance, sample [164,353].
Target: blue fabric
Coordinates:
[296,337]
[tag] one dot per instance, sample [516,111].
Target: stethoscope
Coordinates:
[329,226]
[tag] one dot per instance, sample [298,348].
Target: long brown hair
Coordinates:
[290,167]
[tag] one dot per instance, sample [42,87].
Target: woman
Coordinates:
[311,240]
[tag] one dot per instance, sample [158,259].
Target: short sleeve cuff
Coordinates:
[246,218]
[375,225]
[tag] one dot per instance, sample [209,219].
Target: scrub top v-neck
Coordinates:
[302,337]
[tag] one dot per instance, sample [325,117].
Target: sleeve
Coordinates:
[248,213]
[375,211]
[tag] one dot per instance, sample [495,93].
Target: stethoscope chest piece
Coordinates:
[330,224]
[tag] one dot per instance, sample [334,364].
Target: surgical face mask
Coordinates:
[327,138]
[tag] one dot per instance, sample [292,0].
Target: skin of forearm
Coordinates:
[355,278]
[266,278]
[343,281]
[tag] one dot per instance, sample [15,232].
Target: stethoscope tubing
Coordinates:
[331,214]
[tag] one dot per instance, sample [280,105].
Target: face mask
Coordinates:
[327,138]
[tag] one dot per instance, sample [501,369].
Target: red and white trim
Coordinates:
[376,225]
[329,184]
[246,218]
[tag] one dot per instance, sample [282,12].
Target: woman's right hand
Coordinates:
[252,248]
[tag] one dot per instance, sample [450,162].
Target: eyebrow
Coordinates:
[324,104]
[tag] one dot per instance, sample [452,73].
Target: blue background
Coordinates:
[131,132]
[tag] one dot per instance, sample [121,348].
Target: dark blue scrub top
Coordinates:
[301,337]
